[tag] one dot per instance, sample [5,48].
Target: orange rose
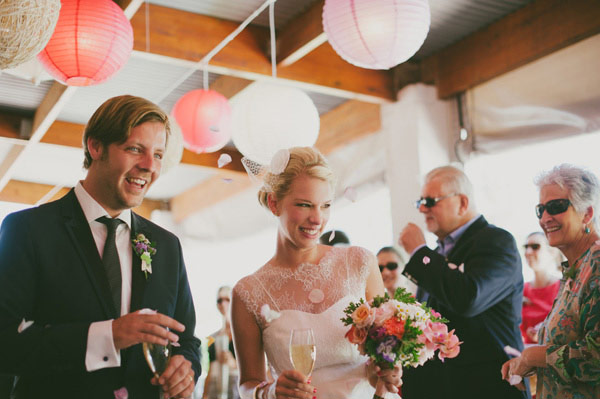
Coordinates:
[394,327]
[363,316]
[356,335]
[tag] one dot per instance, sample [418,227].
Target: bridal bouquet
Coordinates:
[399,330]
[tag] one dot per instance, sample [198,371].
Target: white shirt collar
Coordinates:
[93,210]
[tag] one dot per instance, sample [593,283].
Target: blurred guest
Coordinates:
[334,238]
[539,294]
[222,355]
[567,359]
[474,279]
[390,265]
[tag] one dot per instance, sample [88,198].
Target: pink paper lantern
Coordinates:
[204,117]
[376,34]
[92,40]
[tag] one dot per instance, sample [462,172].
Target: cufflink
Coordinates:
[105,358]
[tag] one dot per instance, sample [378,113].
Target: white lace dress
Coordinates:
[313,296]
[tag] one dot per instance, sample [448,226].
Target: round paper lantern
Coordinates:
[268,117]
[174,150]
[91,42]
[205,120]
[376,34]
[25,28]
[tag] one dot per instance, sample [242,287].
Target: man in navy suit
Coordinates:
[473,279]
[71,325]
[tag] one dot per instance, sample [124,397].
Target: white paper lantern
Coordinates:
[376,34]
[25,28]
[174,150]
[267,117]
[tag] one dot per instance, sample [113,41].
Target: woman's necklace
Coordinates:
[570,271]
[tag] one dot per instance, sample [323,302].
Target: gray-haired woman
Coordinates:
[567,360]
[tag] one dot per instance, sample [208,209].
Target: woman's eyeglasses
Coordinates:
[429,202]
[534,247]
[220,300]
[553,207]
[391,266]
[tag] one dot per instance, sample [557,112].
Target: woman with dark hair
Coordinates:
[567,359]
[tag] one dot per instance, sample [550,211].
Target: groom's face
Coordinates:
[126,171]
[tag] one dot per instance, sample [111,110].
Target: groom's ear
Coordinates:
[272,202]
[95,148]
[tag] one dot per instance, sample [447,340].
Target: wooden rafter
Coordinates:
[301,35]
[181,35]
[536,30]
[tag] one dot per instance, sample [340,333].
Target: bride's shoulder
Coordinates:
[359,254]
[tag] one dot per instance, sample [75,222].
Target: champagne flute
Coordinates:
[303,350]
[157,356]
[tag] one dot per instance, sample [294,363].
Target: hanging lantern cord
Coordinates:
[203,63]
[273,42]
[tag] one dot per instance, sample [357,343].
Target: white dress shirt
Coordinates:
[101,351]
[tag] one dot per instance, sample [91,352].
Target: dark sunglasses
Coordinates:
[553,207]
[391,266]
[220,300]
[534,247]
[430,202]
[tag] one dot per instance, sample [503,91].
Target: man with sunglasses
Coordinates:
[474,279]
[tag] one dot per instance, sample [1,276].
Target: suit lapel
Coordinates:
[83,242]
[138,278]
[473,229]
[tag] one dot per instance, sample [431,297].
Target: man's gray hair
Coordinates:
[581,184]
[455,180]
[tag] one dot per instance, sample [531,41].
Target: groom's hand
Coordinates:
[135,328]
[177,381]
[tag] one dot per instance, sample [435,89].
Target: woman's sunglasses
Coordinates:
[533,247]
[220,300]
[391,266]
[553,207]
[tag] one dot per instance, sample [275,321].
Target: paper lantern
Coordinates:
[92,40]
[174,150]
[25,28]
[376,34]
[204,117]
[268,117]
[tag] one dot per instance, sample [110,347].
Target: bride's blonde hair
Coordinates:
[303,160]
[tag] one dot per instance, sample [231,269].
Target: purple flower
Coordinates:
[377,333]
[386,349]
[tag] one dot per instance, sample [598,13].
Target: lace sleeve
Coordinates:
[253,294]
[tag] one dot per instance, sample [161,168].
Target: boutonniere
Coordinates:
[145,250]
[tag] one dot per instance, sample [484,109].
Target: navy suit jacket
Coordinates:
[51,273]
[483,305]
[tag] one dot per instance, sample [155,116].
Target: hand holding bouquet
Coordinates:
[399,331]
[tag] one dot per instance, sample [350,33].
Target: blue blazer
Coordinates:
[51,273]
[483,305]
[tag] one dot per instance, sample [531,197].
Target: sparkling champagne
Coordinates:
[303,358]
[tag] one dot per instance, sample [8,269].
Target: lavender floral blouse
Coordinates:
[572,333]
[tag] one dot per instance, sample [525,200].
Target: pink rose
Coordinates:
[356,335]
[363,316]
[384,312]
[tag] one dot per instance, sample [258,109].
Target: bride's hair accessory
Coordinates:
[267,174]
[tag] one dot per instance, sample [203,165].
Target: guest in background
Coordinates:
[222,355]
[567,359]
[539,294]
[391,264]
[474,279]
[339,238]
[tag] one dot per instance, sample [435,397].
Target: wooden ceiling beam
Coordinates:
[301,35]
[181,35]
[32,193]
[536,30]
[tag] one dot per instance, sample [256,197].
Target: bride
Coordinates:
[304,285]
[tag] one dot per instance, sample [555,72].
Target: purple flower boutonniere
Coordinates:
[145,250]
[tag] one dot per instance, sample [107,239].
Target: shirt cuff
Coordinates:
[101,352]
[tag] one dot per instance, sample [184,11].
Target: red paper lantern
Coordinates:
[204,117]
[92,40]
